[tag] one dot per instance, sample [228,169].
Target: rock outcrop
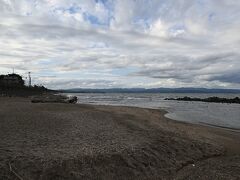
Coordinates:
[210,99]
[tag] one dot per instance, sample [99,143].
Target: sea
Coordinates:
[222,115]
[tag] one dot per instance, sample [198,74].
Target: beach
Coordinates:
[77,141]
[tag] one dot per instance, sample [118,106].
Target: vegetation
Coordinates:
[13,85]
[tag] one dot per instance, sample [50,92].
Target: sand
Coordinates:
[67,141]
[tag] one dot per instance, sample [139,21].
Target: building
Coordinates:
[11,80]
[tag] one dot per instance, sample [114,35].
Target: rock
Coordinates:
[209,99]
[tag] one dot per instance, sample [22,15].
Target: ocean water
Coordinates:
[216,114]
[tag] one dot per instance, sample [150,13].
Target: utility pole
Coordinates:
[29,79]
[13,70]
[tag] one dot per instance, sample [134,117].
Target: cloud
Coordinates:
[122,43]
[206,70]
[230,77]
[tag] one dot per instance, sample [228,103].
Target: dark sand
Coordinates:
[66,141]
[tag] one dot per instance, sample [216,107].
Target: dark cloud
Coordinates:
[230,77]
[183,69]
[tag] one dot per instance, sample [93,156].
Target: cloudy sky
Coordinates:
[122,43]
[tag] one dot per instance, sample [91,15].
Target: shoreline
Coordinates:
[79,141]
[237,130]
[166,112]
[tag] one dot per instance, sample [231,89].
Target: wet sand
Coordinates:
[67,141]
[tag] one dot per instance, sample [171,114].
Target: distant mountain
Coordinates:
[153,90]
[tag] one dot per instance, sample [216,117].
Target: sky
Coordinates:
[122,43]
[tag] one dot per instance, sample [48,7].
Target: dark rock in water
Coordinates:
[54,99]
[235,100]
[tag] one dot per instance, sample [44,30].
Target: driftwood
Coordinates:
[14,172]
[54,99]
